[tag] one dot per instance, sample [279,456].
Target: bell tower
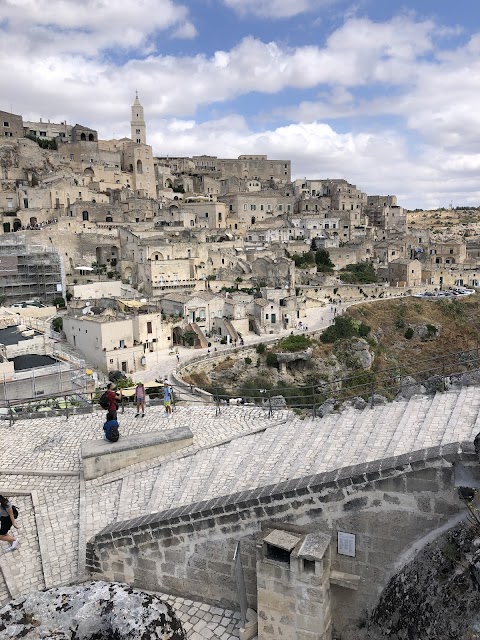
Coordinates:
[138,128]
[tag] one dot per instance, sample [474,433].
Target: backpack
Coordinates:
[103,401]
[114,434]
[15,511]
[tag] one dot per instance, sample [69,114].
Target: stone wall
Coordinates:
[388,504]
[355,292]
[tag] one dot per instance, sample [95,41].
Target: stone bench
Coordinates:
[100,456]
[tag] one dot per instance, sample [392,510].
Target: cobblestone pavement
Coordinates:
[40,471]
[242,448]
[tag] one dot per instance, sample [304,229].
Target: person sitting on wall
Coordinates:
[110,428]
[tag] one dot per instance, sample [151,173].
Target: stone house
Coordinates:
[11,126]
[404,272]
[384,251]
[452,253]
[247,209]
[113,340]
[312,226]
[267,316]
[257,167]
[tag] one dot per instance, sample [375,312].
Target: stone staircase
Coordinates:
[299,448]
[202,341]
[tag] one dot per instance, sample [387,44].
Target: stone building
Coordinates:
[116,340]
[11,125]
[247,209]
[404,272]
[384,213]
[258,167]
[48,130]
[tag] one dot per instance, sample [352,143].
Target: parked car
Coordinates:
[115,376]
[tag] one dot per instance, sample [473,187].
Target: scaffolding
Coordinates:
[38,273]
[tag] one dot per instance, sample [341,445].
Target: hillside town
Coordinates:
[151,253]
[279,455]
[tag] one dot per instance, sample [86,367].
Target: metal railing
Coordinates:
[436,372]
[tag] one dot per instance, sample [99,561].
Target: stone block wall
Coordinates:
[388,504]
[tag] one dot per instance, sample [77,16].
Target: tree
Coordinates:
[360,273]
[57,324]
[322,258]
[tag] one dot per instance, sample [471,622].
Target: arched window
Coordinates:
[91,137]
[83,137]
[84,215]
[139,166]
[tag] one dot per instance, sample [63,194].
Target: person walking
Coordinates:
[167,398]
[7,521]
[140,398]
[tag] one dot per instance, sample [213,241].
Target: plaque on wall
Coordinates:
[346,544]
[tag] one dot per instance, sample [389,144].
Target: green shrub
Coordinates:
[271,359]
[364,330]
[432,330]
[343,327]
[251,388]
[294,343]
[57,324]
[260,348]
[409,333]
[248,360]
[362,272]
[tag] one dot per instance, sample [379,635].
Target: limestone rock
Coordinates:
[410,387]
[356,354]
[434,597]
[90,611]
[324,409]
[359,403]
[295,355]
[434,384]
[467,379]
[423,332]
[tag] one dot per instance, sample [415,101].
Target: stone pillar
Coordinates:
[293,583]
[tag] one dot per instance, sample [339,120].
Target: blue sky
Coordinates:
[379,92]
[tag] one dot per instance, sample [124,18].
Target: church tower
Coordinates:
[139,130]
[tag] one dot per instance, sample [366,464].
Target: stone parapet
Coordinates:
[100,456]
[387,504]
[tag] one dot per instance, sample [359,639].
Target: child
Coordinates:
[167,398]
[140,397]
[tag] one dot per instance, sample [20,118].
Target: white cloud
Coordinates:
[89,26]
[378,163]
[275,8]
[364,69]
